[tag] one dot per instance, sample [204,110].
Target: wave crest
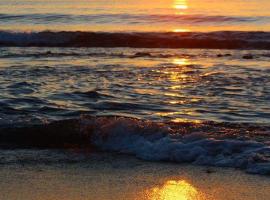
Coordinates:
[215,144]
[216,40]
[160,142]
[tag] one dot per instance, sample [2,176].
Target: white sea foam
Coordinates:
[157,142]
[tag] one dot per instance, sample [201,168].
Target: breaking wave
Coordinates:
[214,40]
[243,146]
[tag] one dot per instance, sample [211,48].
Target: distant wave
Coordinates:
[135,55]
[123,18]
[213,40]
[243,146]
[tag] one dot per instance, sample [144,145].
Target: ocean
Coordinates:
[180,81]
[135,16]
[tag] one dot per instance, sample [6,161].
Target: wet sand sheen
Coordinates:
[110,176]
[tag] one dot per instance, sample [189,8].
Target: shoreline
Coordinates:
[113,176]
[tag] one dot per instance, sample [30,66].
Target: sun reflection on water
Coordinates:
[175,190]
[180,5]
[183,120]
[181,30]
[178,74]
[180,61]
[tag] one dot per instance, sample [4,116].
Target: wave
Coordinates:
[137,54]
[210,40]
[243,146]
[124,18]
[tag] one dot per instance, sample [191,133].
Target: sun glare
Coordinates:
[179,30]
[180,61]
[180,5]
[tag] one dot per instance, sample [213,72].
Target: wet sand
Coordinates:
[110,176]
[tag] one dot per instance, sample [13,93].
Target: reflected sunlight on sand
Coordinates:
[175,190]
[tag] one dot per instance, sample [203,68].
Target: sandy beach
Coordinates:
[111,176]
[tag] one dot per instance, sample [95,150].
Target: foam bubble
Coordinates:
[158,142]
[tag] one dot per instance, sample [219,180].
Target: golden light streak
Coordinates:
[180,61]
[180,4]
[181,30]
[177,120]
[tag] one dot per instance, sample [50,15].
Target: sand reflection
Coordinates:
[175,190]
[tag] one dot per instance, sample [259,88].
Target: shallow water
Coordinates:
[155,84]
